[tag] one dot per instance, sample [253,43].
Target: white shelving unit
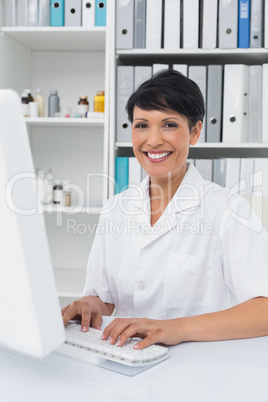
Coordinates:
[75,61]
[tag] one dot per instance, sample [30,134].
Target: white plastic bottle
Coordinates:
[40,100]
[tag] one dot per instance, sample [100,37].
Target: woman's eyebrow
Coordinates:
[140,118]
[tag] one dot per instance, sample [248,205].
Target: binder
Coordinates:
[10,13]
[73,13]
[121,174]
[124,17]
[88,14]
[255,106]
[219,171]
[153,24]
[235,103]
[125,85]
[204,166]
[159,67]
[246,174]
[228,16]
[33,13]
[256,23]
[100,13]
[232,175]
[214,103]
[141,74]
[264,102]
[57,13]
[209,24]
[44,13]
[190,24]
[265,23]
[182,68]
[22,12]
[243,23]
[260,177]
[172,24]
[140,21]
[134,171]
[199,75]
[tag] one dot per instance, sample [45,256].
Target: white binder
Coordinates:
[125,81]
[172,24]
[153,24]
[44,13]
[264,102]
[10,13]
[219,171]
[159,67]
[199,75]
[232,176]
[190,24]
[22,13]
[256,23]
[260,179]
[182,68]
[124,24]
[204,166]
[209,24]
[255,104]
[33,13]
[235,103]
[214,103]
[134,171]
[228,21]
[73,13]
[88,14]
[139,24]
[246,172]
[141,74]
[265,23]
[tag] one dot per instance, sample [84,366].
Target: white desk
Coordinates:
[230,371]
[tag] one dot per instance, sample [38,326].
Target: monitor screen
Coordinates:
[31,320]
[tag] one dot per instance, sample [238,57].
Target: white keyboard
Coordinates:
[125,354]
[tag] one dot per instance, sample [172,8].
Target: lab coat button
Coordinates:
[141,286]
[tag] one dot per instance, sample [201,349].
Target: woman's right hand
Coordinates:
[87,309]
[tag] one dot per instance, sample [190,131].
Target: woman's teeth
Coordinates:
[158,156]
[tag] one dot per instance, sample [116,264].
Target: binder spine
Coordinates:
[57,13]
[256,24]
[124,24]
[100,13]
[73,13]
[44,14]
[125,82]
[88,14]
[140,24]
[243,23]
[121,174]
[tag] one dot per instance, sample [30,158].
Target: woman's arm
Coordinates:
[246,320]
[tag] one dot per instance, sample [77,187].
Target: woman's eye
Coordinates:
[141,125]
[171,125]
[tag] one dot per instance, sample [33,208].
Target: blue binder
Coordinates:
[57,13]
[100,13]
[243,23]
[121,174]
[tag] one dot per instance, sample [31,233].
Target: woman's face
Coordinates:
[161,141]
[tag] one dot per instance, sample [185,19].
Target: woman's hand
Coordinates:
[86,309]
[151,331]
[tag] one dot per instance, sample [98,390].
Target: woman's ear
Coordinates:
[195,133]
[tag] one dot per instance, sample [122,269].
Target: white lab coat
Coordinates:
[207,252]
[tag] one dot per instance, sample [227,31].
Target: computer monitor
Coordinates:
[31,320]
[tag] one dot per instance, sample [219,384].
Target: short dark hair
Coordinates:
[169,89]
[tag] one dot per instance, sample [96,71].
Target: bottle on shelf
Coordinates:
[53,103]
[45,185]
[25,104]
[83,106]
[28,92]
[99,100]
[40,100]
[33,109]
[57,192]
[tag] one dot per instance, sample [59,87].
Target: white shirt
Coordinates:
[207,252]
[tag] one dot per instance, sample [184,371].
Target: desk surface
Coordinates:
[233,371]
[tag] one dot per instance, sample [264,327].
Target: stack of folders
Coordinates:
[84,13]
[246,176]
[235,96]
[190,24]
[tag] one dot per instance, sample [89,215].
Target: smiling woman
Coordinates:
[173,280]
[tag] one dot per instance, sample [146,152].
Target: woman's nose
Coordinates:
[154,138]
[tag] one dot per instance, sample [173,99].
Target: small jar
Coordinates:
[83,105]
[25,104]
[57,192]
[45,185]
[99,102]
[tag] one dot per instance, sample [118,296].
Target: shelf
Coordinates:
[51,209]
[195,56]
[64,122]
[58,38]
[205,145]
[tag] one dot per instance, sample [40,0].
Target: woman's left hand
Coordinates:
[151,331]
